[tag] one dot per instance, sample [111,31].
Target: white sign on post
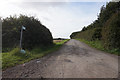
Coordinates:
[22,51]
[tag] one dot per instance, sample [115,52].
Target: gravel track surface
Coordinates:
[73,60]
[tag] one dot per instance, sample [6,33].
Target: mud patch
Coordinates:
[67,60]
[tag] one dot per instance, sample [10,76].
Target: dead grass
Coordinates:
[55,41]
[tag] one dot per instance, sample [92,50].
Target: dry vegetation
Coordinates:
[55,41]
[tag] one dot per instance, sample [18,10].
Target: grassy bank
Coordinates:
[14,57]
[98,45]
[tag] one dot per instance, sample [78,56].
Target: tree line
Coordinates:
[106,28]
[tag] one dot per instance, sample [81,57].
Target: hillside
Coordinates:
[105,29]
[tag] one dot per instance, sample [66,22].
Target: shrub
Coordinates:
[97,34]
[90,34]
[35,34]
[111,32]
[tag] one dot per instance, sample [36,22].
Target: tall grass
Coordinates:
[14,57]
[98,45]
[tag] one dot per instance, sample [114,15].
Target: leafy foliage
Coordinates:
[73,34]
[90,34]
[35,34]
[106,28]
[111,32]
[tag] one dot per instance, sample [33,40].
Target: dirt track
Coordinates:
[73,60]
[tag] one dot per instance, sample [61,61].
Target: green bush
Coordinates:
[111,32]
[90,34]
[97,34]
[35,34]
[93,31]
[106,28]
[73,34]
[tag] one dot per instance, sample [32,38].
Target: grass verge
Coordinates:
[14,57]
[98,45]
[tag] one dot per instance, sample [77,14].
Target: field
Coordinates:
[14,57]
[57,41]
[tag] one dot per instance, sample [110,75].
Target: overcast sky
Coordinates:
[62,17]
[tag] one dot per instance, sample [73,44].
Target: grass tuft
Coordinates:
[98,45]
[14,57]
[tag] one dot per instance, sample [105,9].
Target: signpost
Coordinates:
[21,50]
